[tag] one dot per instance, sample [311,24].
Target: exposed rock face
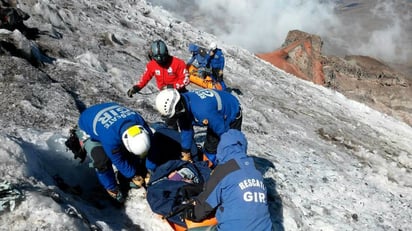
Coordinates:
[300,55]
[360,78]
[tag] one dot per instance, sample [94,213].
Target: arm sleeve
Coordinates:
[217,124]
[190,61]
[145,78]
[186,133]
[209,198]
[221,61]
[183,77]
[118,160]
[187,139]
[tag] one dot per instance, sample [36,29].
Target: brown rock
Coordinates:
[300,55]
[360,78]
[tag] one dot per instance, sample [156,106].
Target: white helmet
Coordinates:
[136,140]
[212,46]
[166,102]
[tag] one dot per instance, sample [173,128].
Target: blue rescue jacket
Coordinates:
[206,107]
[217,61]
[201,58]
[235,189]
[106,123]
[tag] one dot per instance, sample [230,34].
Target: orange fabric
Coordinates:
[207,82]
[209,163]
[206,222]
[192,224]
[177,227]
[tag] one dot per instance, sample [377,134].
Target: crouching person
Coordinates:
[235,183]
[111,134]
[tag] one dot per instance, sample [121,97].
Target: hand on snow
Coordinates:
[133,91]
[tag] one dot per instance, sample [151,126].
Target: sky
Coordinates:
[376,28]
[329,163]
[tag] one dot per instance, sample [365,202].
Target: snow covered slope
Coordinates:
[329,163]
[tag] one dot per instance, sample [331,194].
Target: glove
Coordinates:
[189,191]
[137,182]
[219,76]
[147,178]
[220,73]
[189,213]
[185,156]
[133,91]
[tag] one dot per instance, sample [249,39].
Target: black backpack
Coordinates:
[11,17]
[73,144]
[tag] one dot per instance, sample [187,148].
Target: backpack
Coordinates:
[165,194]
[73,144]
[12,17]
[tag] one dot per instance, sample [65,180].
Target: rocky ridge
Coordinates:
[361,78]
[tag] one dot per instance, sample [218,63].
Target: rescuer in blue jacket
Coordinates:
[235,191]
[199,54]
[217,110]
[216,61]
[121,132]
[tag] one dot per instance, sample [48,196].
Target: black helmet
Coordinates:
[159,52]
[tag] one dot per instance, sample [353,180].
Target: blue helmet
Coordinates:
[159,52]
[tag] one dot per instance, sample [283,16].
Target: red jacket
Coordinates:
[176,74]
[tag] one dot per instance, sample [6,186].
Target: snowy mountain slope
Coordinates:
[330,163]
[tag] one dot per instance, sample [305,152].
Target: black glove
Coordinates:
[133,91]
[189,213]
[189,191]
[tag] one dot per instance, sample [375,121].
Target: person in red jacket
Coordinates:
[169,71]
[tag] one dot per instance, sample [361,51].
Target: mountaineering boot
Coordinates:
[116,194]
[137,182]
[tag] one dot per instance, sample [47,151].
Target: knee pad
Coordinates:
[100,160]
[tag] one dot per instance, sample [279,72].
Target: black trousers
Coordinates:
[212,139]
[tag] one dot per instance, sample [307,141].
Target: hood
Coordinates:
[193,47]
[233,144]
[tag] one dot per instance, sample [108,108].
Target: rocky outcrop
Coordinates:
[300,55]
[360,78]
